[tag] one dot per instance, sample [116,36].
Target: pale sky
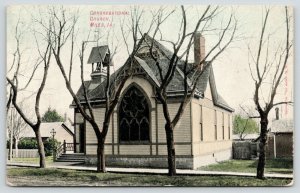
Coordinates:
[231,69]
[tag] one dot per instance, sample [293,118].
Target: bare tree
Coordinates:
[263,64]
[192,73]
[16,125]
[44,58]
[64,28]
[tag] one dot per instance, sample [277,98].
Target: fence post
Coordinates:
[65,146]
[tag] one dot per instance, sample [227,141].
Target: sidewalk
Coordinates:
[70,165]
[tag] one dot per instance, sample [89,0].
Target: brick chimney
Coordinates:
[199,48]
[277,113]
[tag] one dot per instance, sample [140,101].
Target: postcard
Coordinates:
[136,95]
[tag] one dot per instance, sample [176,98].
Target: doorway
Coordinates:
[81,138]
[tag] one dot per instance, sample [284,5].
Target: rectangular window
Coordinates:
[216,131]
[228,126]
[201,124]
[223,132]
[216,135]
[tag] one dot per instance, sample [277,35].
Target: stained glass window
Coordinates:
[134,116]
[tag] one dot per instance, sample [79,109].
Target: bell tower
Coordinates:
[99,58]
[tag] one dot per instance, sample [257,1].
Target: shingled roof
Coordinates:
[96,90]
[98,54]
[282,126]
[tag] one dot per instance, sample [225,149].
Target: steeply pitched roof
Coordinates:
[97,54]
[217,98]
[96,90]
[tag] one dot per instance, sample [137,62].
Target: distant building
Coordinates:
[136,136]
[280,139]
[63,132]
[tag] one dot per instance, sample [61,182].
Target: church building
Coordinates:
[136,136]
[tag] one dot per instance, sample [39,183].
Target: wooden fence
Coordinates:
[24,153]
[244,149]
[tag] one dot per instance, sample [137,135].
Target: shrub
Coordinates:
[49,144]
[27,143]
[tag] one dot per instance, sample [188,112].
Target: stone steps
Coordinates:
[72,157]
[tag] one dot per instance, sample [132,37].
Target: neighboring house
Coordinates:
[63,132]
[280,139]
[136,136]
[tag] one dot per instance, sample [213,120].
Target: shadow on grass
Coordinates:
[286,163]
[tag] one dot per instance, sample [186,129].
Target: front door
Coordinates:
[81,138]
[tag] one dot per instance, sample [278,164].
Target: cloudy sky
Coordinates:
[231,69]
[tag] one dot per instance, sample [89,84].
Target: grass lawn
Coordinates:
[63,177]
[35,160]
[284,166]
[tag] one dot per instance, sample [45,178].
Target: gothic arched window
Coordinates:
[134,117]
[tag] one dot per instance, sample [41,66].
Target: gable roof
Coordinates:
[217,98]
[282,126]
[46,128]
[97,54]
[96,93]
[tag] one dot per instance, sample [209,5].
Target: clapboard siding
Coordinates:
[196,110]
[208,124]
[179,149]
[208,121]
[116,127]
[109,133]
[160,125]
[183,149]
[219,125]
[162,150]
[226,126]
[153,127]
[182,131]
[231,126]
[134,149]
[76,129]
[92,149]
[90,133]
[204,148]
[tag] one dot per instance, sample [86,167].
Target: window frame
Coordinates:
[134,142]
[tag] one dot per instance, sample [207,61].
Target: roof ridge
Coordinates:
[162,48]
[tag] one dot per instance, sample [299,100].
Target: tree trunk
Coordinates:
[41,149]
[262,147]
[171,149]
[101,157]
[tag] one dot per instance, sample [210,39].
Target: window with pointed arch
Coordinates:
[134,117]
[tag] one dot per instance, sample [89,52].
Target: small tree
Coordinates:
[65,33]
[44,55]
[243,126]
[51,115]
[191,73]
[267,67]
[16,125]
